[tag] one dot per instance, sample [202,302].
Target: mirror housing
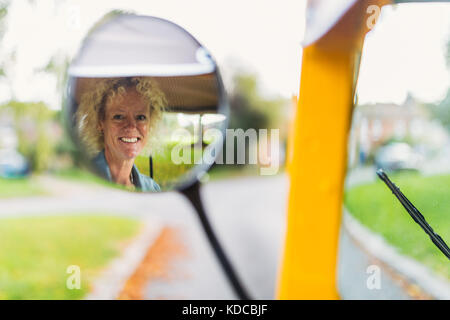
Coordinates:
[134,67]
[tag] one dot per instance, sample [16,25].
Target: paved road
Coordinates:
[249,216]
[354,272]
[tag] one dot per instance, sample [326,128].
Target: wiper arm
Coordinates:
[415,214]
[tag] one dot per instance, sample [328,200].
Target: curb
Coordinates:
[112,280]
[433,284]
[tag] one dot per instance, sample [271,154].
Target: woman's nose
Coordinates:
[131,123]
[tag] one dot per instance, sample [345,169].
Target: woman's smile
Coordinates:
[129,140]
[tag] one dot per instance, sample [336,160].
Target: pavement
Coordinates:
[353,274]
[365,255]
[361,249]
[248,215]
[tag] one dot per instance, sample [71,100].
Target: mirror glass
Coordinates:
[145,104]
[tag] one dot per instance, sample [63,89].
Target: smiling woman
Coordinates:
[115,120]
[139,88]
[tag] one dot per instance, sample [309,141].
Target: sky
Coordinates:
[403,53]
[259,36]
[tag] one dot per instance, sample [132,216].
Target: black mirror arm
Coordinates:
[193,194]
[150,165]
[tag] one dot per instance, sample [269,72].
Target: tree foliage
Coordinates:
[441,111]
[249,109]
[3,12]
[35,126]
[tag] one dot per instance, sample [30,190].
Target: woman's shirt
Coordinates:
[140,181]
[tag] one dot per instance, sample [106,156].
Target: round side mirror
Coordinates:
[145,104]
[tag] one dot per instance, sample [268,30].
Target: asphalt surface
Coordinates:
[249,217]
[247,213]
[355,270]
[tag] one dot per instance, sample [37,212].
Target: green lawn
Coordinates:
[220,172]
[23,187]
[377,208]
[35,253]
[81,175]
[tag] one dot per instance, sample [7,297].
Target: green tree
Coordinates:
[3,12]
[249,109]
[441,111]
[33,123]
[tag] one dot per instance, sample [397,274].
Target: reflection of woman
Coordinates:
[114,121]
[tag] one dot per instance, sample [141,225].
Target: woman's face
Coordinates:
[125,126]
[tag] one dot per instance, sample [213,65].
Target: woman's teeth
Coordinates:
[129,140]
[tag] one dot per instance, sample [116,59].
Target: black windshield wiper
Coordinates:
[415,214]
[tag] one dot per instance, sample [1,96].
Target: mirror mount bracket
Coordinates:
[192,193]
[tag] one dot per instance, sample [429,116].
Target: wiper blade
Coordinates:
[415,214]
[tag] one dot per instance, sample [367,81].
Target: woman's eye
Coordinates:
[117,117]
[141,117]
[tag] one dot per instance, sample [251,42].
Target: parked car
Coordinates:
[13,164]
[398,156]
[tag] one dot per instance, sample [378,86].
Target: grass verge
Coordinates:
[377,208]
[36,252]
[24,187]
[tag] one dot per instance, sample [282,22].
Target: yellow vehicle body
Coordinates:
[318,156]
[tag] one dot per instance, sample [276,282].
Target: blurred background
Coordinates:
[54,214]
[400,124]
[53,210]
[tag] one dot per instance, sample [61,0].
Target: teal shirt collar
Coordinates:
[140,181]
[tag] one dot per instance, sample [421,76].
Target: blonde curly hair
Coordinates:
[91,109]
